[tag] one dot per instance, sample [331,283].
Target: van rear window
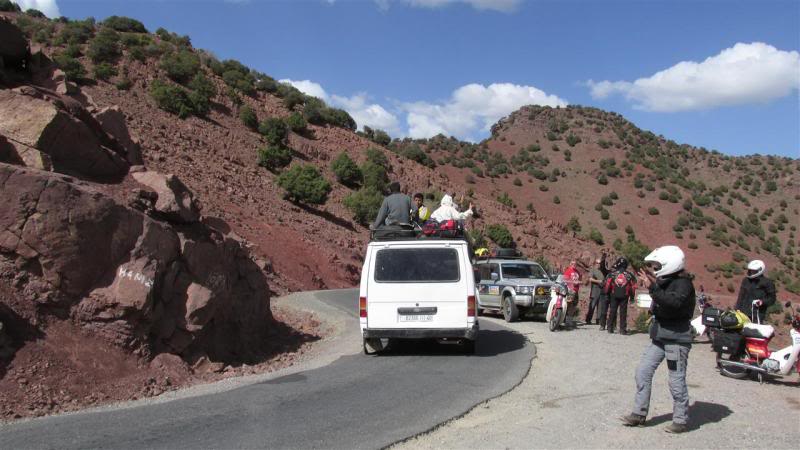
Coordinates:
[422,265]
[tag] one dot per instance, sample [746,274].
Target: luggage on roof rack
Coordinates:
[394,232]
[444,229]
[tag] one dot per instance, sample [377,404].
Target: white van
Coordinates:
[420,288]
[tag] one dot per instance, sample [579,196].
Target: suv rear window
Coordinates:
[417,265]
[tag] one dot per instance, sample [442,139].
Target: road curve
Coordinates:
[357,401]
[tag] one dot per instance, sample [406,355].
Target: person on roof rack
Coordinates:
[419,212]
[395,209]
[447,211]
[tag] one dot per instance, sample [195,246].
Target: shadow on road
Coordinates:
[490,343]
[700,413]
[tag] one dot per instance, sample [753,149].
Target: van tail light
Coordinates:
[757,348]
[470,306]
[362,306]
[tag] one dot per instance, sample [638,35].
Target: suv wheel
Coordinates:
[510,311]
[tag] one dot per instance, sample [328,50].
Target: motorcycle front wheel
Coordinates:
[737,373]
[555,320]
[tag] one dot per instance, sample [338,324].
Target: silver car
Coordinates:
[515,287]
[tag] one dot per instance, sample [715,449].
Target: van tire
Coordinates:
[373,346]
[510,311]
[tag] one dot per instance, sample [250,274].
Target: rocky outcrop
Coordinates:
[73,141]
[113,122]
[175,202]
[14,50]
[138,282]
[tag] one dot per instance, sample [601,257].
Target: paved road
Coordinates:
[357,401]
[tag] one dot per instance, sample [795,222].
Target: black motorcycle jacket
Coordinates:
[761,288]
[672,307]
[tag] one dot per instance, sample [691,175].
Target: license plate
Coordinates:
[416,318]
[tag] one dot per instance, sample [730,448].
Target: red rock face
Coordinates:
[142,284]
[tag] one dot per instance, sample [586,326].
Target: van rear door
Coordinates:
[415,286]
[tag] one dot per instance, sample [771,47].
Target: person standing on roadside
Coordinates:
[620,287]
[596,277]
[757,292]
[572,277]
[673,295]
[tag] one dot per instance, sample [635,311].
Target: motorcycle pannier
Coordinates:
[711,317]
[728,342]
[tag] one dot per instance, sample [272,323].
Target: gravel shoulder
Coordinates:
[582,381]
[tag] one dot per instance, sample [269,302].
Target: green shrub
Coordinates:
[104,47]
[504,199]
[266,84]
[248,117]
[543,188]
[72,67]
[574,224]
[611,225]
[596,236]
[415,153]
[172,99]
[9,6]
[124,84]
[607,201]
[635,252]
[304,184]
[201,104]
[181,66]
[296,123]
[203,86]
[377,156]
[642,321]
[346,171]
[602,179]
[500,235]
[104,71]
[604,214]
[125,24]
[274,157]
[517,182]
[274,130]
[693,245]
[572,140]
[556,200]
[364,204]
[653,211]
[374,176]
[381,138]
[76,32]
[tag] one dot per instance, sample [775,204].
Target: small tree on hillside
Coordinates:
[500,235]
[274,130]
[346,171]
[274,157]
[304,184]
[248,117]
[364,204]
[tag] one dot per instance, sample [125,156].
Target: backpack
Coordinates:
[619,285]
[733,320]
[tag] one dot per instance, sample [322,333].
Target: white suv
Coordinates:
[417,288]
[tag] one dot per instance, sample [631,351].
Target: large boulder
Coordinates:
[14,50]
[72,142]
[129,278]
[113,122]
[175,201]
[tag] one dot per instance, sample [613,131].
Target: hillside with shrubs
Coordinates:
[618,185]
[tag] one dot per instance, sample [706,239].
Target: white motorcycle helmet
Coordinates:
[666,260]
[755,268]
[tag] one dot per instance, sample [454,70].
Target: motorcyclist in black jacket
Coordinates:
[756,293]
[673,295]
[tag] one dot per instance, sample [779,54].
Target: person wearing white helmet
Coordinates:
[673,295]
[756,293]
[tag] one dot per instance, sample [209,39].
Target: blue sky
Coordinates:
[719,74]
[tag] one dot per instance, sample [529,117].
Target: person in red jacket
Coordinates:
[572,277]
[620,287]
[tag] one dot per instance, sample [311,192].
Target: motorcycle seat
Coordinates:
[755,330]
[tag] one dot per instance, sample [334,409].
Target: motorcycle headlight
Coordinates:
[524,290]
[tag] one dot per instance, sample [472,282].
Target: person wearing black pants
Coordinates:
[620,287]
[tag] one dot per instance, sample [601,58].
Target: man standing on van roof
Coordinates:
[395,209]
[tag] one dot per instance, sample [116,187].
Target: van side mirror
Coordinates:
[495,276]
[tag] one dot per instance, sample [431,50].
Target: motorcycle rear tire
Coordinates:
[731,372]
[555,321]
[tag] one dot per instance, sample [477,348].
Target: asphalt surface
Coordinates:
[357,401]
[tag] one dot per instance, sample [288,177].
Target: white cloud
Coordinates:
[48,7]
[742,74]
[481,5]
[473,109]
[308,87]
[372,115]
